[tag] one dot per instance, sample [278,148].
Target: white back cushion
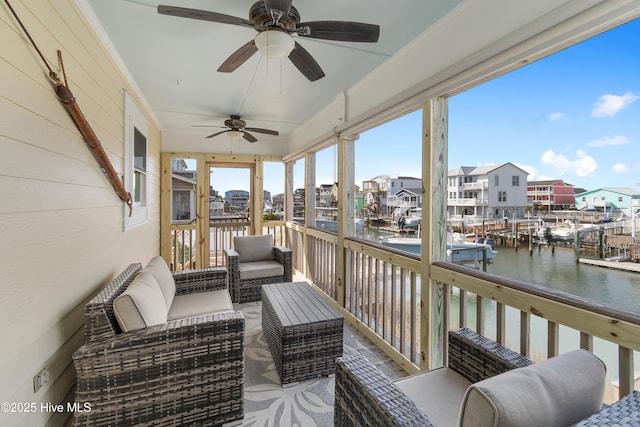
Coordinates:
[556,392]
[254,248]
[160,271]
[141,305]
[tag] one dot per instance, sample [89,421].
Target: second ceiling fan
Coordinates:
[276,22]
[236,127]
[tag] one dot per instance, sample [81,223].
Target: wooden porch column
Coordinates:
[346,209]
[309,203]
[257,193]
[288,191]
[288,201]
[202,213]
[165,207]
[434,304]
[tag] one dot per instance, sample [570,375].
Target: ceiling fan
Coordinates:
[236,128]
[276,21]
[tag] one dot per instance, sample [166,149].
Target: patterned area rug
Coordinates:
[310,402]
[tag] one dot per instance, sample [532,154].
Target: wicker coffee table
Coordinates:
[303,331]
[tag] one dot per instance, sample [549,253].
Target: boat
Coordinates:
[565,231]
[413,219]
[459,250]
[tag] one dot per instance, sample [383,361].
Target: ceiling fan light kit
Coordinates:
[235,135]
[274,44]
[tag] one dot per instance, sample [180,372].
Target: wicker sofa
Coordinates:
[485,384]
[254,261]
[185,371]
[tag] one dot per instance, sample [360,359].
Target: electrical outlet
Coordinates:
[41,379]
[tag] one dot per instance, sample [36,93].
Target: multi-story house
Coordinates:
[237,199]
[551,195]
[613,200]
[183,192]
[379,192]
[487,192]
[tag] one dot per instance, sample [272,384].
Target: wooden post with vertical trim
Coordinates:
[434,311]
[346,210]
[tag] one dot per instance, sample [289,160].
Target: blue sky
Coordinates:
[573,116]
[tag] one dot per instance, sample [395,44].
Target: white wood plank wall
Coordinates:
[61,223]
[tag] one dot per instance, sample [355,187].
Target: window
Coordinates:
[136,129]
[496,180]
[515,181]
[620,198]
[502,196]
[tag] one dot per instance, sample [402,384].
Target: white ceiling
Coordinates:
[174,60]
[422,44]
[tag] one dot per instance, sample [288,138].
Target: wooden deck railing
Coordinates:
[184,243]
[383,293]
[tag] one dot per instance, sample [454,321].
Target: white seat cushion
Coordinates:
[200,303]
[559,391]
[140,305]
[254,248]
[160,271]
[437,393]
[257,269]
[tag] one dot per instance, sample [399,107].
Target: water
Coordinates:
[558,270]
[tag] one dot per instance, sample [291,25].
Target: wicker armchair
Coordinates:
[254,262]
[475,390]
[182,372]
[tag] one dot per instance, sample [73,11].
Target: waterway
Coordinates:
[556,269]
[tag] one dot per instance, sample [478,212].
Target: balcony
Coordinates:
[470,201]
[382,290]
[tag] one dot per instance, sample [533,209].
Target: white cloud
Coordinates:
[581,165]
[608,141]
[610,105]
[554,117]
[533,172]
[620,168]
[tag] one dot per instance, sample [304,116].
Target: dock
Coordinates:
[617,265]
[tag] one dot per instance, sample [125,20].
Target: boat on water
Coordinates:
[565,231]
[459,250]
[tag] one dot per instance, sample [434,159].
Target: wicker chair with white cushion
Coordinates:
[161,348]
[485,384]
[253,262]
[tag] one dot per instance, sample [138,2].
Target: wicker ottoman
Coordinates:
[303,331]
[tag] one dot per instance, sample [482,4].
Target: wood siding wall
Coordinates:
[61,235]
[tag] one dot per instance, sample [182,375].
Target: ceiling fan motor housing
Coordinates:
[261,17]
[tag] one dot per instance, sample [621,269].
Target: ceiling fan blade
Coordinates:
[203,15]
[267,131]
[282,5]
[238,57]
[216,134]
[305,63]
[249,137]
[343,31]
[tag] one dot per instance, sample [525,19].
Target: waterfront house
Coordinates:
[487,192]
[147,84]
[614,201]
[381,190]
[551,195]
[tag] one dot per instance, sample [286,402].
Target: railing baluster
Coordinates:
[553,339]
[394,301]
[463,308]
[480,314]
[501,330]
[625,371]
[586,341]
[525,333]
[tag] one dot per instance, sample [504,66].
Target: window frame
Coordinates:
[134,120]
